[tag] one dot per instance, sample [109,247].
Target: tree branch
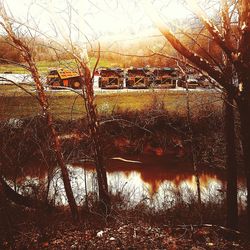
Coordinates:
[212,29]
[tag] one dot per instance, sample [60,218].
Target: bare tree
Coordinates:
[233,39]
[43,101]
[80,56]
[94,128]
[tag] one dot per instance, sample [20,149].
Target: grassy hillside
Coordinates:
[43,66]
[14,103]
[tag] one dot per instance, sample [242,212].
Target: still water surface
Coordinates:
[158,181]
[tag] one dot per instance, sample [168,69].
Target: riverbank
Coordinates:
[151,131]
[135,228]
[150,146]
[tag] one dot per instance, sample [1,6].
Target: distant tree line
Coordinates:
[8,52]
[41,51]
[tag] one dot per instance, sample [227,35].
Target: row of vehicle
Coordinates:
[117,78]
[110,78]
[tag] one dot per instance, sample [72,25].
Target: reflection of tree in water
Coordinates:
[153,172]
[157,170]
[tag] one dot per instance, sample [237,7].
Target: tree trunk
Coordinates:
[231,164]
[194,158]
[105,203]
[19,199]
[56,143]
[27,55]
[6,222]
[64,170]
[244,109]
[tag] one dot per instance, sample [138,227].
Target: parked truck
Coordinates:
[138,78]
[111,78]
[58,78]
[164,78]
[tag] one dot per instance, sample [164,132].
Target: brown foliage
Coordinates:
[7,51]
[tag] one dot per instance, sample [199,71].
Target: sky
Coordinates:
[93,19]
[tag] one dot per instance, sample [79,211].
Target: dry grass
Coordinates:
[15,103]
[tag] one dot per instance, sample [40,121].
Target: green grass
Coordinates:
[67,105]
[43,66]
[12,68]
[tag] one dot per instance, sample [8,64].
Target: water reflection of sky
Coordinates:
[135,189]
[158,183]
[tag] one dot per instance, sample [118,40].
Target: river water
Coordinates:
[158,181]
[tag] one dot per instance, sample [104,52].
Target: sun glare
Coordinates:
[130,18]
[98,18]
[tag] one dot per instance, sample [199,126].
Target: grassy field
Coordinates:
[43,66]
[15,103]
